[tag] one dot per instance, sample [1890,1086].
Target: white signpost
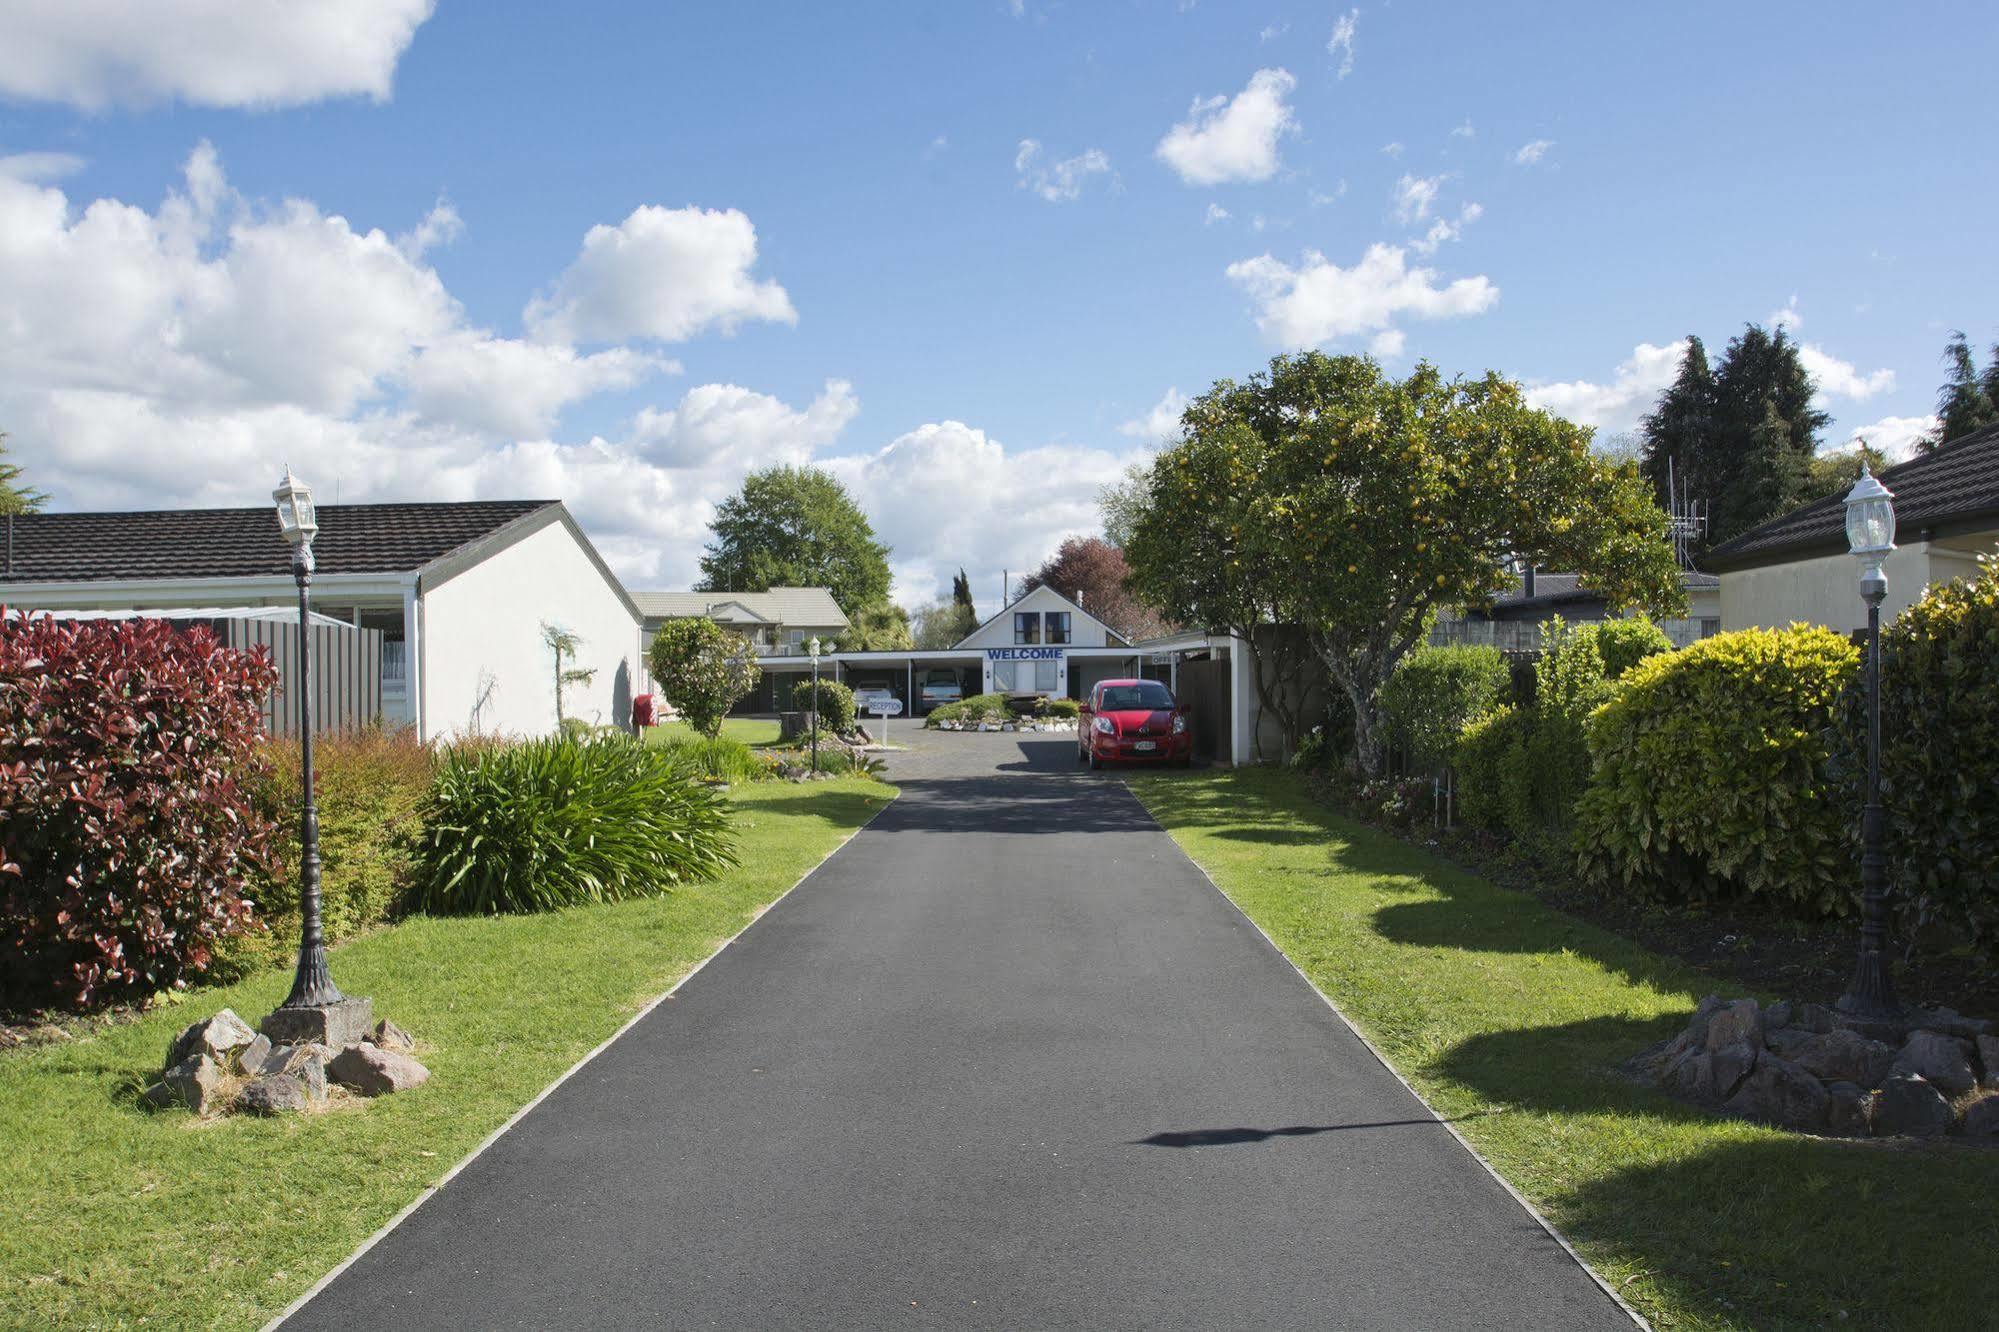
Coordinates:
[884,707]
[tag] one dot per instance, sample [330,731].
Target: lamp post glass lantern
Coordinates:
[1870,535]
[812,647]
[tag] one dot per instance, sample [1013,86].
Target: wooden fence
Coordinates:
[346,672]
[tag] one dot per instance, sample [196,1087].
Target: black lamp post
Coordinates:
[1870,534]
[315,1010]
[812,646]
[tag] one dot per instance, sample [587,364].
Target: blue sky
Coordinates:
[961,254]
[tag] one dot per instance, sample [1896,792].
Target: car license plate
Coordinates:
[1145,746]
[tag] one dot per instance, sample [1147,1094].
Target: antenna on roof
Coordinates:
[1686,519]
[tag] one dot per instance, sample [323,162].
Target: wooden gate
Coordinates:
[1204,688]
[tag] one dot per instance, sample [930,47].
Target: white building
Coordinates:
[460,593]
[1796,566]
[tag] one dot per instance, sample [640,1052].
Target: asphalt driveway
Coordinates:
[1006,1060]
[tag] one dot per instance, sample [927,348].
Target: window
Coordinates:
[1056,626]
[1044,675]
[1027,626]
[1132,697]
[1003,676]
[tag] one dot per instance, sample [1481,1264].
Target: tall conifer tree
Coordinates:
[1676,432]
[1965,402]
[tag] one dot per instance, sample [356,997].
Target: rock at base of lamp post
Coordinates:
[336,1025]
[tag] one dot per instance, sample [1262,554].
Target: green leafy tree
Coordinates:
[1675,434]
[1965,403]
[935,627]
[702,669]
[795,527]
[565,646]
[1327,495]
[1123,500]
[881,627]
[14,496]
[1835,473]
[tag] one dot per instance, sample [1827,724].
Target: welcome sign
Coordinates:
[1024,654]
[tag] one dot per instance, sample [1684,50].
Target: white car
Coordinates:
[861,697]
[938,688]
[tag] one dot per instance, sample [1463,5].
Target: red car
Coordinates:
[1137,720]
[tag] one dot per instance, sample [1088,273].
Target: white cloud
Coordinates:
[1341,43]
[1161,422]
[1216,213]
[1393,148]
[182,355]
[1273,31]
[98,53]
[1226,139]
[663,273]
[1787,319]
[1060,181]
[1444,229]
[1530,154]
[440,226]
[1320,198]
[1896,436]
[1618,405]
[1413,195]
[37,167]
[983,506]
[1318,301]
[1387,344]
[1465,130]
[1836,378]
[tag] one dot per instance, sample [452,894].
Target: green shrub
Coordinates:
[720,759]
[553,823]
[1434,692]
[370,787]
[1622,644]
[977,708]
[1058,707]
[835,706]
[1710,773]
[1939,757]
[1491,766]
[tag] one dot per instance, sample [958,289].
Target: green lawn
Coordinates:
[752,731]
[1510,1017]
[112,1215]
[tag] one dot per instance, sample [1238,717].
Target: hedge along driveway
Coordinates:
[1510,1018]
[110,1214]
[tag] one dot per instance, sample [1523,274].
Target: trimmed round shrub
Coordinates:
[555,823]
[1622,644]
[1059,707]
[1709,773]
[1939,757]
[835,705]
[1434,692]
[128,754]
[1491,767]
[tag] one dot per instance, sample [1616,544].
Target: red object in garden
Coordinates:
[642,712]
[1133,720]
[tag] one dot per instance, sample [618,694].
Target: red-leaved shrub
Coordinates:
[127,752]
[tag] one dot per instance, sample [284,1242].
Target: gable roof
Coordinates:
[1555,590]
[1042,587]
[808,607]
[1952,490]
[173,544]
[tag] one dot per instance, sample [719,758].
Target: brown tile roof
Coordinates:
[242,543]
[1955,489]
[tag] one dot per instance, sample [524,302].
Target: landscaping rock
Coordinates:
[1781,1093]
[1704,1014]
[277,1094]
[1777,1016]
[1791,1041]
[1815,1017]
[1843,1056]
[287,1058]
[1951,1023]
[311,1073]
[1739,1023]
[1939,1059]
[1988,1058]
[1693,1071]
[1849,1110]
[215,1037]
[389,1036]
[196,1082]
[1981,1118]
[250,1059]
[1908,1106]
[372,1071]
[1728,1067]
